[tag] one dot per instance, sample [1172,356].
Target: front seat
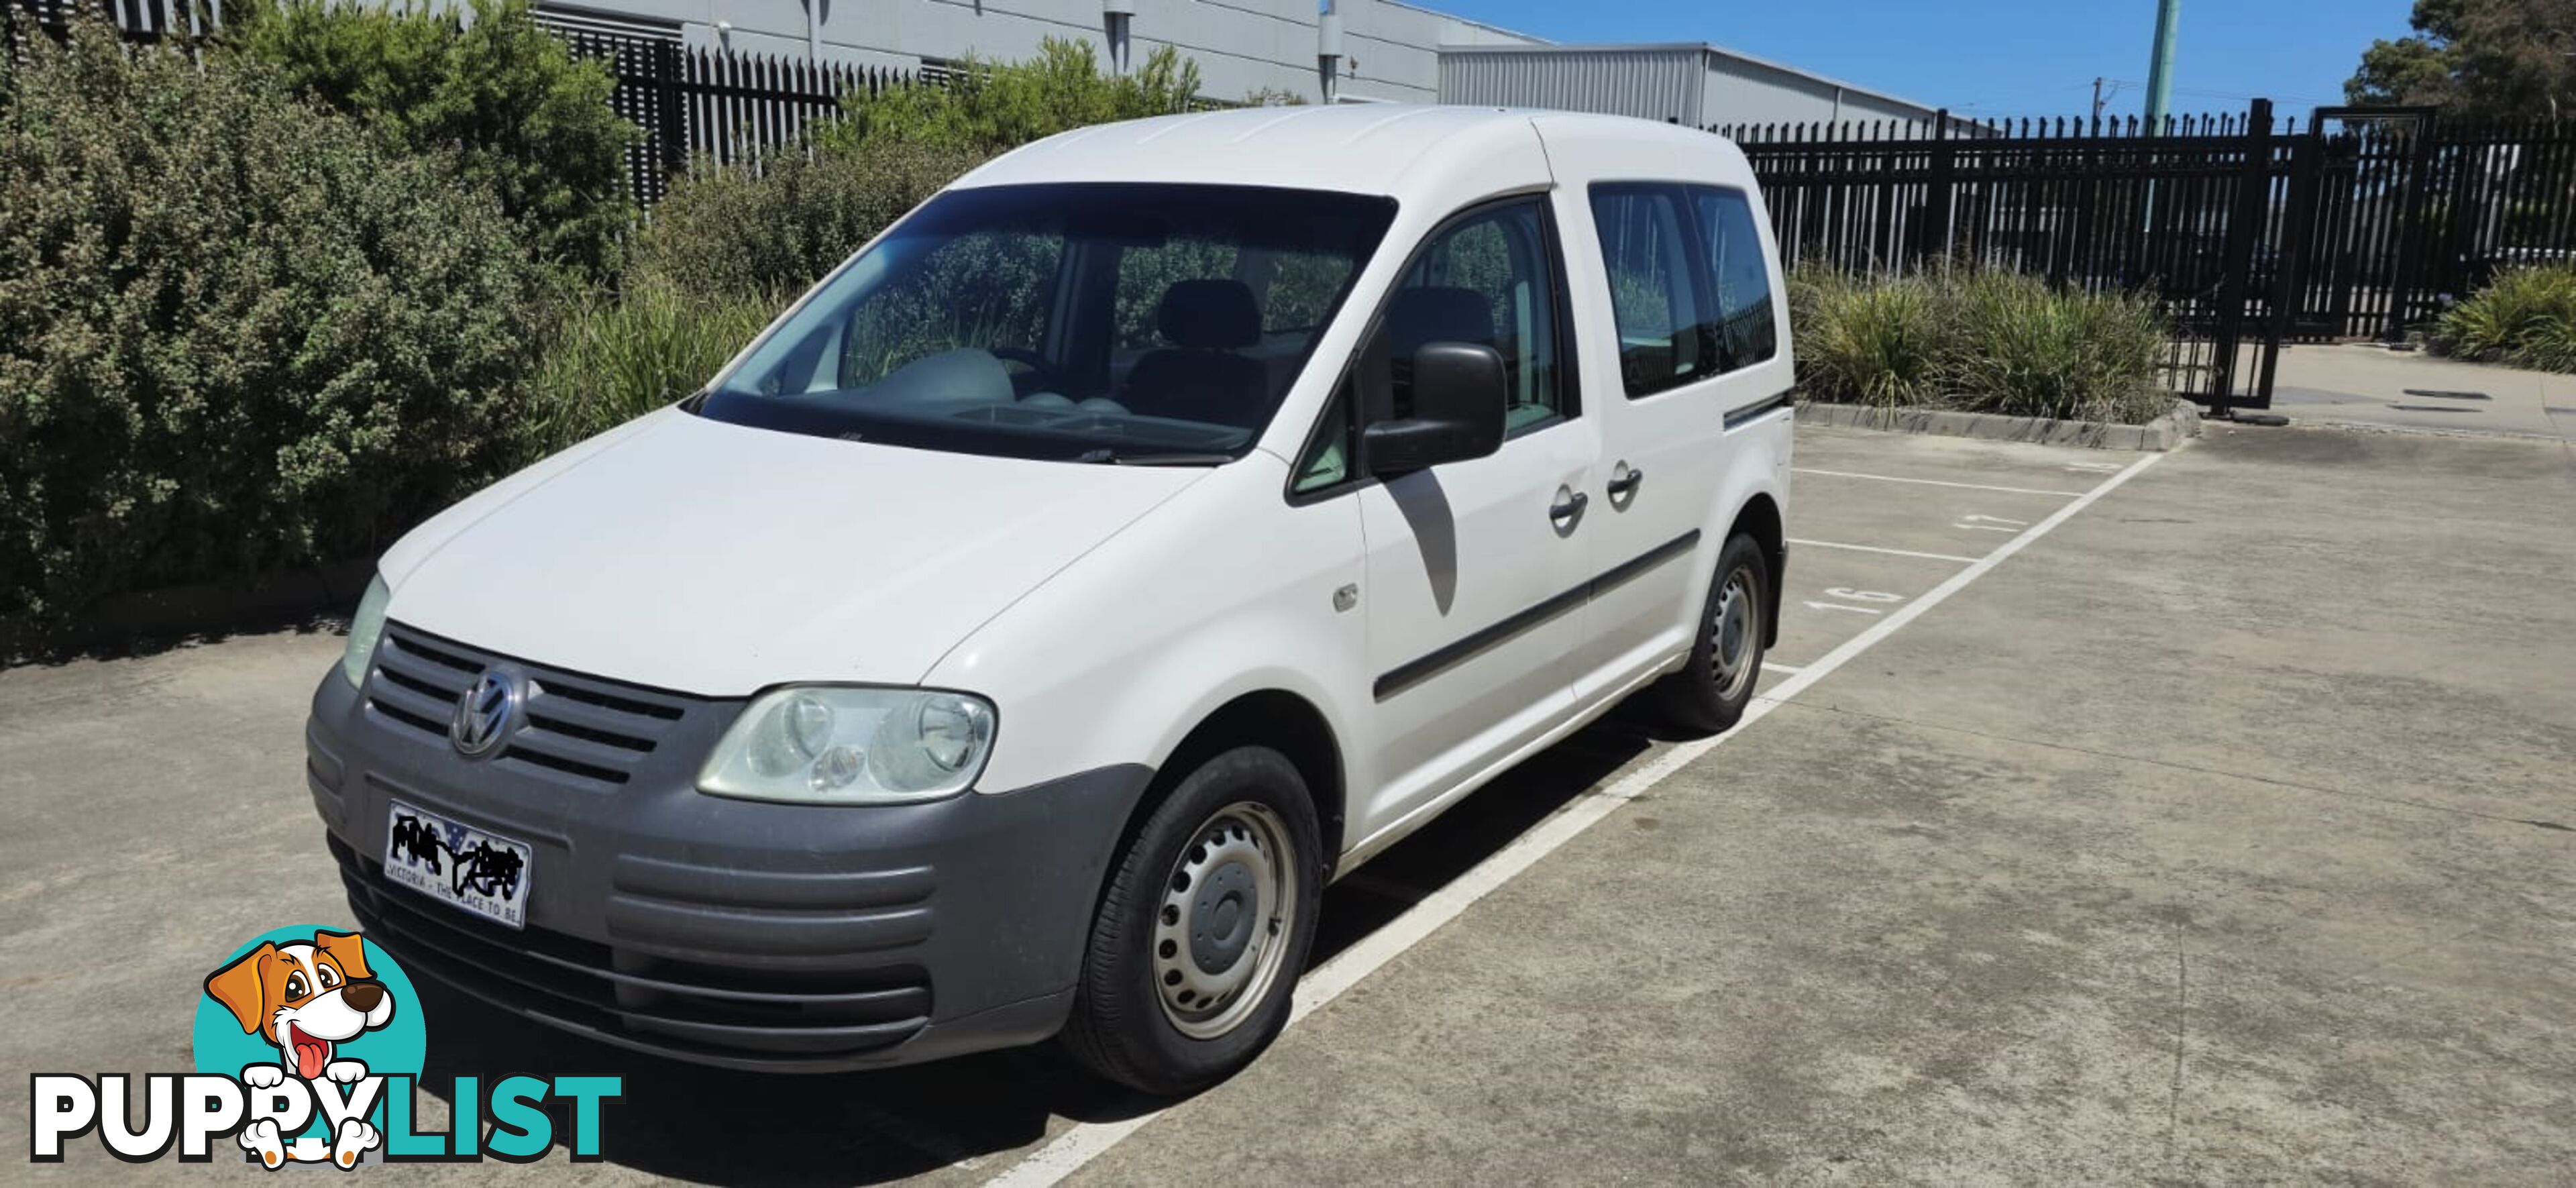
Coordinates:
[1200,377]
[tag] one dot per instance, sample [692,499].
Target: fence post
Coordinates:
[667,61]
[1941,192]
[2244,230]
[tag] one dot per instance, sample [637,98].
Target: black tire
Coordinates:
[1699,698]
[1123,1027]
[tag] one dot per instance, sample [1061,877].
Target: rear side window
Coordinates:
[1746,331]
[1690,289]
[1650,254]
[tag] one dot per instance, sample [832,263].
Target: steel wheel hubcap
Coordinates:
[1221,931]
[1731,628]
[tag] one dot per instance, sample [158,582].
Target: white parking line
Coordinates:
[1087,1141]
[1890,478]
[1830,544]
[1781,669]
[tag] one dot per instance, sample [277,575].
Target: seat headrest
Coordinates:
[1209,315]
[1437,314]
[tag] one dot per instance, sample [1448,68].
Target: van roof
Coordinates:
[1368,148]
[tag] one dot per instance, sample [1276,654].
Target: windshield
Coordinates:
[1101,323]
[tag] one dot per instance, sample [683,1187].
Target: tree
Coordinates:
[518,114]
[2481,59]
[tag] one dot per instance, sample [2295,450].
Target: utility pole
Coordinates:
[2160,66]
[2097,100]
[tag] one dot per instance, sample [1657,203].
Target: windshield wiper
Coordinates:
[1117,457]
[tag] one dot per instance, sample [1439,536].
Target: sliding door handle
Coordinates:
[1567,509]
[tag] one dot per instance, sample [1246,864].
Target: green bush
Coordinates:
[724,230]
[523,118]
[1981,340]
[236,332]
[616,357]
[991,107]
[2526,317]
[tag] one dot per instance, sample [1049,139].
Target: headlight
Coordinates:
[365,628]
[825,744]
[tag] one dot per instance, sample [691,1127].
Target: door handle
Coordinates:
[1623,483]
[1567,508]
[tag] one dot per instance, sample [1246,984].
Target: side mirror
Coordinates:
[1459,395]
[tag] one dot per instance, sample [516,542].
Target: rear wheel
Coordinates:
[1713,689]
[1203,930]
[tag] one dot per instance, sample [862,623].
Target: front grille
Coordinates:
[572,729]
[679,1006]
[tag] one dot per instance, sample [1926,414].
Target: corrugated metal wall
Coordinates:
[1691,84]
[1656,83]
[1744,91]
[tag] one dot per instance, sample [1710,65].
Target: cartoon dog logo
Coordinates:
[307,999]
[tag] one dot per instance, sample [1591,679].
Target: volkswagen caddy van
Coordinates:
[1013,641]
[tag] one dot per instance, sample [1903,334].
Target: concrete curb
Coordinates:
[2163,433]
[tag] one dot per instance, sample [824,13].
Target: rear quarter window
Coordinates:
[1690,287]
[1747,328]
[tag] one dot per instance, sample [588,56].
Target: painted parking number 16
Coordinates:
[1851,596]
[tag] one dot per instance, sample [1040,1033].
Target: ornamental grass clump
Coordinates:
[1978,339]
[2525,317]
[1866,341]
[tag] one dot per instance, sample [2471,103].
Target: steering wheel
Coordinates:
[1035,362]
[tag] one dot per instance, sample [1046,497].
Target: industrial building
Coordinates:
[1342,51]
[1689,83]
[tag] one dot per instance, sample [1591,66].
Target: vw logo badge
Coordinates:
[483,713]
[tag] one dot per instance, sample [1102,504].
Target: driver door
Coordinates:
[1475,570]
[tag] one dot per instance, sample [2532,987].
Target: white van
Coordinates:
[1013,641]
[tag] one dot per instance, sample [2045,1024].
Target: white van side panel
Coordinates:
[1225,590]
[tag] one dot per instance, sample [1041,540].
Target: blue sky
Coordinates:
[2002,57]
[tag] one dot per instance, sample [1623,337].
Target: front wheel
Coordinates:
[1713,689]
[1203,930]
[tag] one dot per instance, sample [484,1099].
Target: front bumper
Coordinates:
[733,933]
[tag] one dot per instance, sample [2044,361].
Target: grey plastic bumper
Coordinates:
[732,933]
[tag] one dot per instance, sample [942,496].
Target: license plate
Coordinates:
[457,864]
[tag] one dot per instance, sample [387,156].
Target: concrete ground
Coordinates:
[2359,384]
[2223,830]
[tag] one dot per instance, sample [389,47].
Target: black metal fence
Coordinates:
[136,20]
[2249,231]
[691,102]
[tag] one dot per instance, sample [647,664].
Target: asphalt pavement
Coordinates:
[2207,817]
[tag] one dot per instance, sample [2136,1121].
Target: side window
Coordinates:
[1490,278]
[1746,333]
[1667,336]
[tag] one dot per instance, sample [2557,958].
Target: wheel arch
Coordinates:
[1760,519]
[1276,718]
